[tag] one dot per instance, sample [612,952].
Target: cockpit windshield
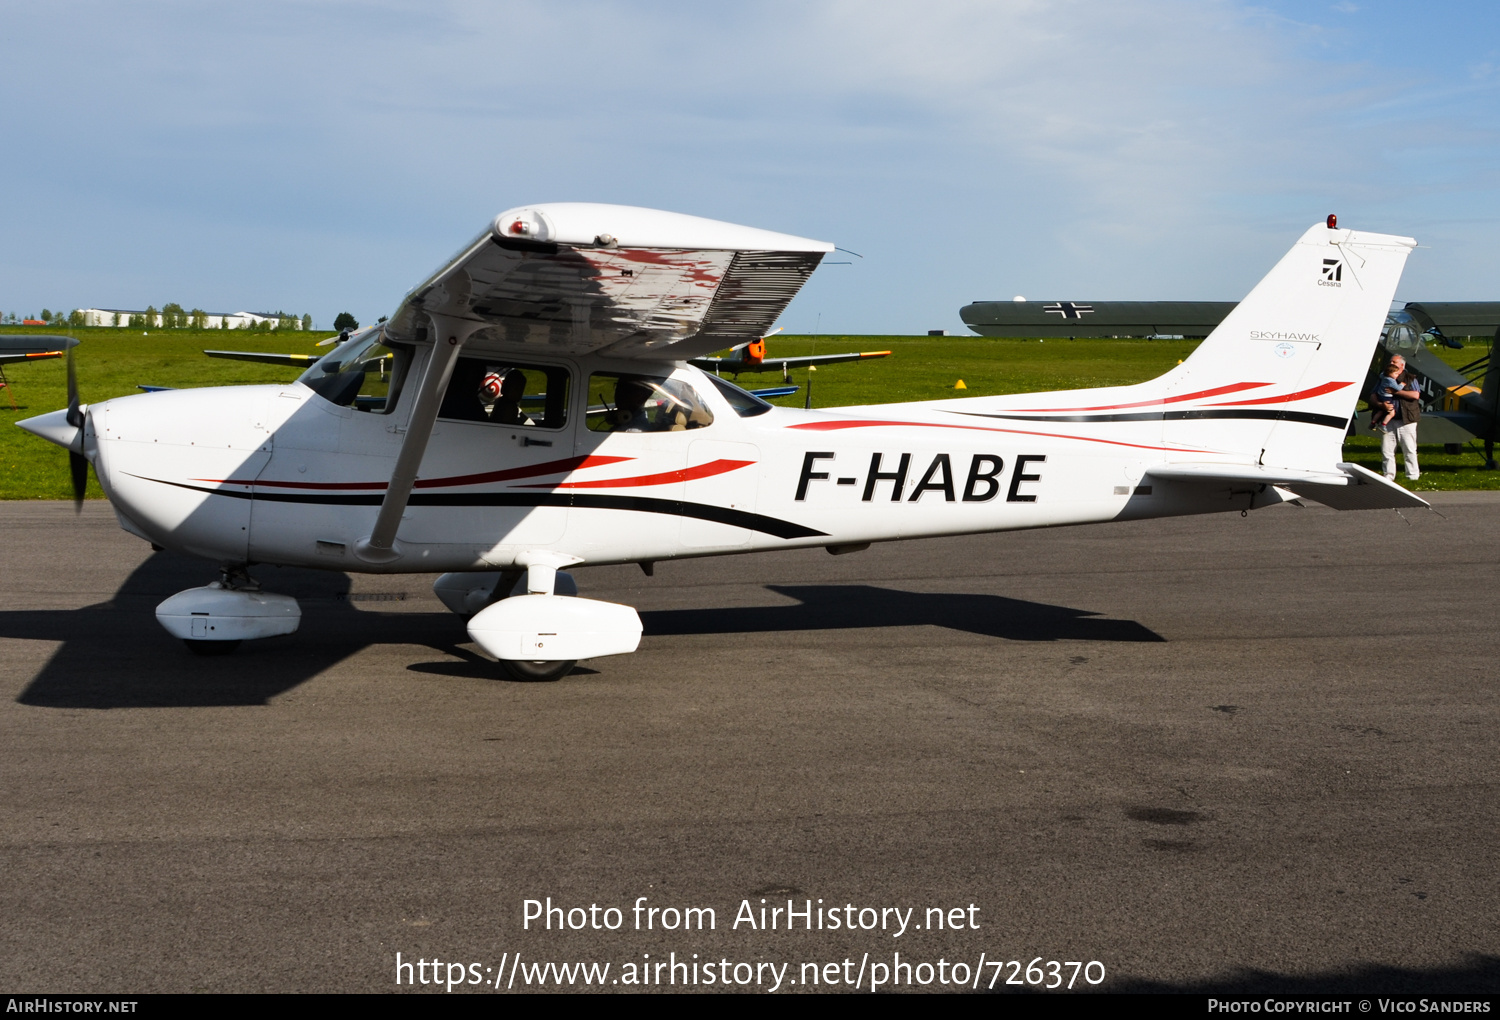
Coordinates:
[363,372]
[745,403]
[1402,333]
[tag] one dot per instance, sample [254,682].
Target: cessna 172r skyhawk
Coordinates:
[529,408]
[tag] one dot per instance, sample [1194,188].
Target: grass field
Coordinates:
[113,362]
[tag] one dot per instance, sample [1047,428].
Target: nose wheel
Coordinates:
[535,672]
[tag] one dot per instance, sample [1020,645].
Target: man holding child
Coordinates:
[1395,407]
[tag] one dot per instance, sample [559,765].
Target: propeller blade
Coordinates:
[78,466]
[75,417]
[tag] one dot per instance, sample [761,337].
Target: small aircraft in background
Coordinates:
[1459,405]
[277,358]
[30,347]
[751,357]
[535,406]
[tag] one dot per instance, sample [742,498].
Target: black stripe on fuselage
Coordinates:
[581,500]
[1254,414]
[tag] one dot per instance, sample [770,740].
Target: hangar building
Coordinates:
[1021,318]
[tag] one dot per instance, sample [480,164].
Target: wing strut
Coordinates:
[448,335]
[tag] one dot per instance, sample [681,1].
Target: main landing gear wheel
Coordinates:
[525,670]
[210,647]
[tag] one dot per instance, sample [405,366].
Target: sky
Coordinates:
[326,155]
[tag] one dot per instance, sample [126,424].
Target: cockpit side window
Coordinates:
[500,392]
[644,403]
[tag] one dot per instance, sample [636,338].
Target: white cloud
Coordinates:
[1158,148]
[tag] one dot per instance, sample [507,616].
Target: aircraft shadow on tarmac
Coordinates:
[113,654]
[846,606]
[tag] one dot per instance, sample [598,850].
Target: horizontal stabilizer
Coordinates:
[1351,487]
[1365,490]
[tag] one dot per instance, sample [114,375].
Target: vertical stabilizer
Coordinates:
[1277,381]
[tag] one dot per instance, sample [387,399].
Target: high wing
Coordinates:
[11,357]
[576,278]
[738,365]
[32,347]
[266,358]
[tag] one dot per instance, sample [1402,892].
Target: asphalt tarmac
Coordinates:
[1240,754]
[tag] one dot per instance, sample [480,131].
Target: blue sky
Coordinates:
[322,156]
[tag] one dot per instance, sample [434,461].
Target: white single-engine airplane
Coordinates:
[529,408]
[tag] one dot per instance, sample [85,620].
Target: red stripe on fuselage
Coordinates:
[1316,391]
[713,467]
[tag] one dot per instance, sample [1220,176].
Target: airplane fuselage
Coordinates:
[533,406]
[278,474]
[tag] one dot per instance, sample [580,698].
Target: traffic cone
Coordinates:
[960,385]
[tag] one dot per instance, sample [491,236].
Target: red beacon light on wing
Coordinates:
[520,227]
[1333,222]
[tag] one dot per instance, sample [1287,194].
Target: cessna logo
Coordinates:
[1068,310]
[1333,272]
[981,483]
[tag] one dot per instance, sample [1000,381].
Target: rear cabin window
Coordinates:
[499,392]
[644,403]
